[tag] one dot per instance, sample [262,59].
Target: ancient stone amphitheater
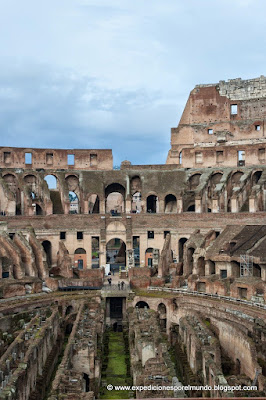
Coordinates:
[148,275]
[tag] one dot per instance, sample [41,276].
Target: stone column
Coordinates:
[130,258]
[215,206]
[179,205]
[102,206]
[160,208]
[102,255]
[252,205]
[198,208]
[88,240]
[128,204]
[86,207]
[234,205]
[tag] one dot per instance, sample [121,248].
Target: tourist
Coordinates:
[122,285]
[119,284]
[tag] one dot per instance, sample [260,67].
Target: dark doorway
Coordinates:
[48,251]
[116,307]
[142,304]
[152,204]
[86,383]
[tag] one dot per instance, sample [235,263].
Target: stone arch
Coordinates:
[47,246]
[191,207]
[116,253]
[142,304]
[39,209]
[256,177]
[152,204]
[115,198]
[54,191]
[135,191]
[12,183]
[194,181]
[80,258]
[170,204]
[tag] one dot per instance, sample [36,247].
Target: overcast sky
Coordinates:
[117,73]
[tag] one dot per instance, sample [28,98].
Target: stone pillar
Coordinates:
[198,208]
[89,251]
[86,207]
[215,206]
[142,250]
[124,308]
[252,205]
[234,205]
[49,208]
[102,255]
[155,260]
[102,206]
[130,258]
[179,205]
[160,208]
[128,204]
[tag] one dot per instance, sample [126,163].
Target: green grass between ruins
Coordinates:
[116,372]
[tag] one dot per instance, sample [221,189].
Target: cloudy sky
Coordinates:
[117,73]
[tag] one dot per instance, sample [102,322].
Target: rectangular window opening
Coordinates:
[223,273]
[261,154]
[198,157]
[241,158]
[7,157]
[165,233]
[79,235]
[93,159]
[71,159]
[219,156]
[28,158]
[257,127]
[49,158]
[150,234]
[62,235]
[210,131]
[233,109]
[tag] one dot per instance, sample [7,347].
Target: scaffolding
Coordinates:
[246,265]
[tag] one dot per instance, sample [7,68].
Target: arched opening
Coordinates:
[95,248]
[86,380]
[115,199]
[136,203]
[12,184]
[236,177]
[68,329]
[6,267]
[229,206]
[152,204]
[256,177]
[51,181]
[211,267]
[191,208]
[55,195]
[256,270]
[170,204]
[149,257]
[69,310]
[142,304]
[190,261]
[48,251]
[201,266]
[180,157]
[94,204]
[161,309]
[31,186]
[181,243]
[194,181]
[135,191]
[74,203]
[116,254]
[39,210]
[80,258]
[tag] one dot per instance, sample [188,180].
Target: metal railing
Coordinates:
[201,294]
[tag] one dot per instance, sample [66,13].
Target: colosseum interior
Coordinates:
[149,275]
